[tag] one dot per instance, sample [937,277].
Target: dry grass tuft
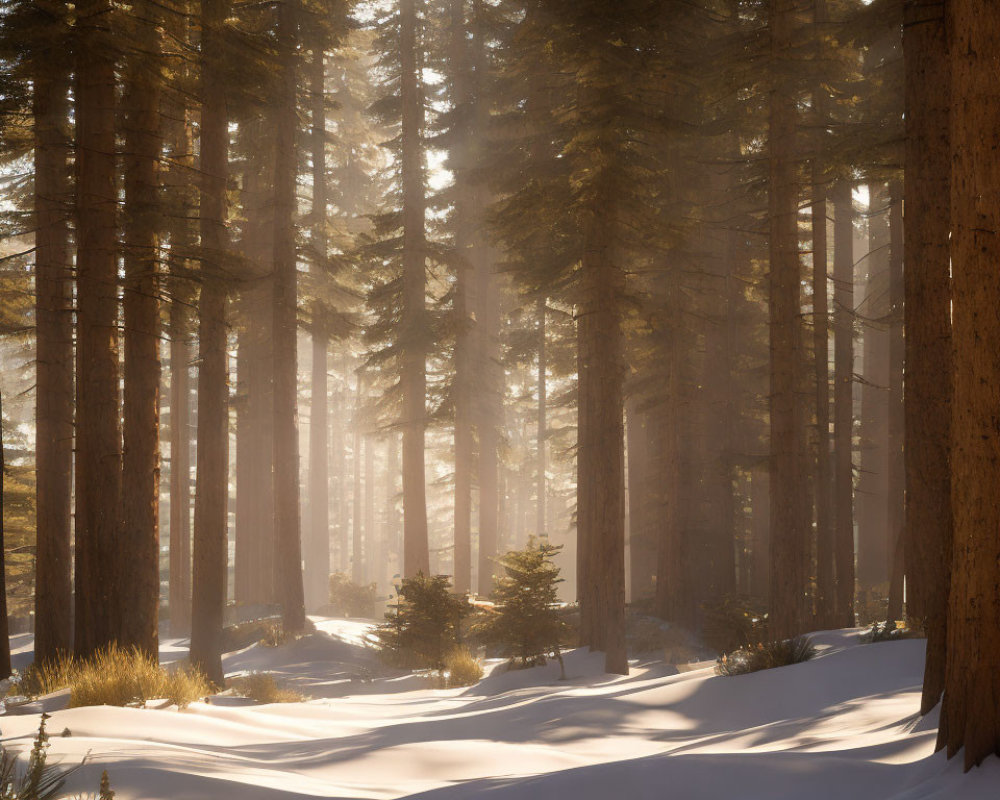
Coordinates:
[462,668]
[116,676]
[263,688]
[767,655]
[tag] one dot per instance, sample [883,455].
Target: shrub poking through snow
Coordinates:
[733,622]
[890,632]
[424,627]
[41,780]
[525,624]
[350,599]
[115,676]
[754,658]
[263,688]
[462,668]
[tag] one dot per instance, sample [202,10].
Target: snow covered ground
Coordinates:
[843,726]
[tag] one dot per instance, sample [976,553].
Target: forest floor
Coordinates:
[840,727]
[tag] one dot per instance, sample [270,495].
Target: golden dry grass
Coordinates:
[263,688]
[462,668]
[116,676]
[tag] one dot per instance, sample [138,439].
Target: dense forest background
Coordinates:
[378,288]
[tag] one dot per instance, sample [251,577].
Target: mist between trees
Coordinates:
[383,288]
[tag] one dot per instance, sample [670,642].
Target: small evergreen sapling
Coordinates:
[525,624]
[424,627]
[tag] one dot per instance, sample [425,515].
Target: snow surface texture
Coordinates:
[842,726]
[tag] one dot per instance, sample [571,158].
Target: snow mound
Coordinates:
[843,725]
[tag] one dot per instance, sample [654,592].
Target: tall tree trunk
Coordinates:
[141,406]
[464,221]
[393,550]
[489,402]
[601,434]
[789,540]
[212,490]
[416,557]
[896,471]
[970,710]
[339,444]
[5,669]
[371,535]
[540,437]
[641,556]
[287,524]
[54,383]
[873,484]
[670,544]
[99,565]
[182,236]
[318,561]
[255,547]
[180,471]
[357,545]
[843,402]
[927,341]
[825,573]
[760,534]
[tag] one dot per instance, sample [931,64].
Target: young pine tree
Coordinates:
[526,626]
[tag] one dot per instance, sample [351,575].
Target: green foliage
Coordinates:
[425,626]
[525,624]
[115,677]
[733,622]
[350,599]
[754,658]
[462,668]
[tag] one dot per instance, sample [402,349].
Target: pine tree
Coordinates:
[789,531]
[287,527]
[98,547]
[211,495]
[141,406]
[928,334]
[526,625]
[50,69]
[970,708]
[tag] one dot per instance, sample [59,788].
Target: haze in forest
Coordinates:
[580,323]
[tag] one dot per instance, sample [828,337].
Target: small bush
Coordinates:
[350,599]
[41,780]
[116,677]
[525,624]
[424,626]
[236,637]
[733,622]
[263,688]
[891,632]
[462,668]
[766,656]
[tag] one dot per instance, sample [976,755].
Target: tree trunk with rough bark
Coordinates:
[317,562]
[287,522]
[601,434]
[141,306]
[970,709]
[843,404]
[896,471]
[789,540]
[927,290]
[413,380]
[212,490]
[54,382]
[99,565]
